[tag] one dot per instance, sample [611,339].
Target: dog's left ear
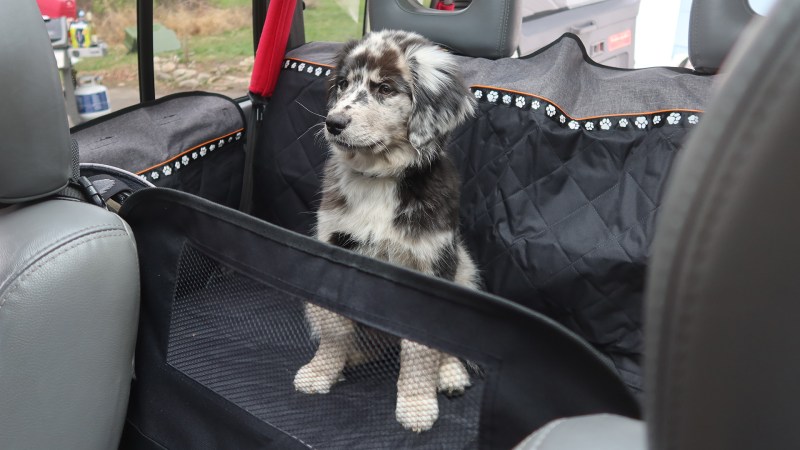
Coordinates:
[440,100]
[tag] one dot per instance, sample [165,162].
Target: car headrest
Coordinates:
[714,26]
[484,29]
[35,153]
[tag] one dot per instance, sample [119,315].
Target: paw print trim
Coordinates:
[645,121]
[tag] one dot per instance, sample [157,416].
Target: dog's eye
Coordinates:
[385,89]
[342,84]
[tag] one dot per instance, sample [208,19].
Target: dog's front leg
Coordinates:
[335,335]
[417,405]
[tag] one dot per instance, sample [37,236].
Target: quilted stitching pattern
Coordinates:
[558,219]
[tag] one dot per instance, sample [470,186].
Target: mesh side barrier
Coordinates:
[246,340]
[224,332]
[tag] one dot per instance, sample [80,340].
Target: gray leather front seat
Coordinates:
[723,299]
[69,281]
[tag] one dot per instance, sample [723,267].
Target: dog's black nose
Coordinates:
[336,123]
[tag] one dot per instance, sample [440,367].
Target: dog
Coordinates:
[390,192]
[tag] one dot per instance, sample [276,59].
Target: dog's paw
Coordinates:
[417,413]
[453,376]
[311,381]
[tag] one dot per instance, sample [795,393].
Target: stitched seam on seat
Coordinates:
[45,259]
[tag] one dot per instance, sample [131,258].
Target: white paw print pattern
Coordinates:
[479,94]
[167,171]
[177,165]
[562,118]
[574,125]
[203,151]
[492,96]
[327,72]
[301,67]
[154,175]
[641,122]
[310,69]
[535,104]
[221,143]
[623,123]
[589,126]
[294,64]
[605,124]
[212,147]
[550,110]
[656,120]
[520,102]
[185,160]
[318,72]
[286,64]
[693,119]
[194,155]
[674,118]
[507,99]
[238,135]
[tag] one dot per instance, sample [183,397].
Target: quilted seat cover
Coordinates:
[562,172]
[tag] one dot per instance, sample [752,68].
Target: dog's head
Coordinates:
[393,99]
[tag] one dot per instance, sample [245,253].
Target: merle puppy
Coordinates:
[390,192]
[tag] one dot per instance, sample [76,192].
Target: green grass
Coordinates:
[232,44]
[327,21]
[231,3]
[116,57]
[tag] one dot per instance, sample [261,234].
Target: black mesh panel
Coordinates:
[246,340]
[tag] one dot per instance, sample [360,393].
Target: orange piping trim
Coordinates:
[590,117]
[311,62]
[187,151]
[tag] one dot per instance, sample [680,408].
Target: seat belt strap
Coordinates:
[266,68]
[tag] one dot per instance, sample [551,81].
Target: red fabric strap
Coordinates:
[272,47]
[442,7]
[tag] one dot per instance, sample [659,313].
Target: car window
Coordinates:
[203,45]
[333,20]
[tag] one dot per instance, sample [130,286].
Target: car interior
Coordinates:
[633,229]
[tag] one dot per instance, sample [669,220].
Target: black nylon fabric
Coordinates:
[214,359]
[191,141]
[558,212]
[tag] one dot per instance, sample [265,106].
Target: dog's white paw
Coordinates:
[417,413]
[309,380]
[453,376]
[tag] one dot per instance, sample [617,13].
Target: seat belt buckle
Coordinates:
[91,192]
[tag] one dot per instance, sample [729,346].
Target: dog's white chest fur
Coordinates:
[370,211]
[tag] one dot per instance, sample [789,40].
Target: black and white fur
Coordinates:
[390,192]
